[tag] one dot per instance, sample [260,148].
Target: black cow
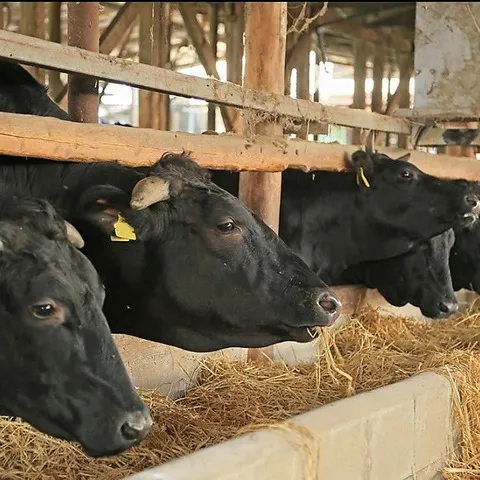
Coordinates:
[333,220]
[59,367]
[336,221]
[204,272]
[465,259]
[420,277]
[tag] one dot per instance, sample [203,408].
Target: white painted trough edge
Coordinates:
[398,432]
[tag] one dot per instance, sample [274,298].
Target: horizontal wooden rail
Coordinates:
[50,138]
[34,51]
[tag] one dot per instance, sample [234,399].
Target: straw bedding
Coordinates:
[232,398]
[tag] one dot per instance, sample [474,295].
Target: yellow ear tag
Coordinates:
[361,175]
[124,232]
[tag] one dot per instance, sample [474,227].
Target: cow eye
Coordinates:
[43,311]
[227,227]
[49,312]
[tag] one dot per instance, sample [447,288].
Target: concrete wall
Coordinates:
[399,432]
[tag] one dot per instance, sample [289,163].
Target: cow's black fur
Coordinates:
[335,224]
[182,282]
[59,367]
[420,277]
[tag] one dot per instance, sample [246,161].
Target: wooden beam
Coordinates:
[83,33]
[265,38]
[118,30]
[114,34]
[34,51]
[204,52]
[353,29]
[54,139]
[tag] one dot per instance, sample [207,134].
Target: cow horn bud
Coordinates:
[149,190]
[74,236]
[370,143]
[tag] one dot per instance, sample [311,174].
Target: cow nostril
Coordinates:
[131,431]
[136,427]
[448,307]
[472,200]
[329,303]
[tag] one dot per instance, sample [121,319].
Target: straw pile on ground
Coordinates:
[232,397]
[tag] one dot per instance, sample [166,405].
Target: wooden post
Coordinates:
[378,72]
[265,36]
[145,56]
[163,61]
[204,52]
[403,89]
[302,64]
[154,49]
[234,28]
[54,35]
[359,75]
[160,56]
[32,23]
[83,32]
[213,39]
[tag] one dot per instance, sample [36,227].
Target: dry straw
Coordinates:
[232,398]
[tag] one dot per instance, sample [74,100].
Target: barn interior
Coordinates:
[361,57]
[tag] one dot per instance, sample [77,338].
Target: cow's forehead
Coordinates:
[221,202]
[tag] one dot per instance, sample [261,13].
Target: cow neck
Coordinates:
[332,231]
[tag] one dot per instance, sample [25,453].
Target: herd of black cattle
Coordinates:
[170,254]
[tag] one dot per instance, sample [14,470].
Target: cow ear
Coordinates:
[103,206]
[362,161]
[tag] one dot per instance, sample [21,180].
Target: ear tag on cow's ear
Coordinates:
[361,175]
[124,232]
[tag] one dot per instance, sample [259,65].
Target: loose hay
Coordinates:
[233,398]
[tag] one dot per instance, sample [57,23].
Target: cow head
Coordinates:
[205,273]
[420,277]
[59,367]
[401,198]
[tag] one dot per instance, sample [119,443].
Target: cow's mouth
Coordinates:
[469,219]
[305,334]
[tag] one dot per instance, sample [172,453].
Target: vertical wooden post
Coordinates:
[265,36]
[234,28]
[154,49]
[160,56]
[359,76]
[163,61]
[32,23]
[302,64]
[378,72]
[406,68]
[316,93]
[213,39]
[83,32]
[145,56]
[54,35]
